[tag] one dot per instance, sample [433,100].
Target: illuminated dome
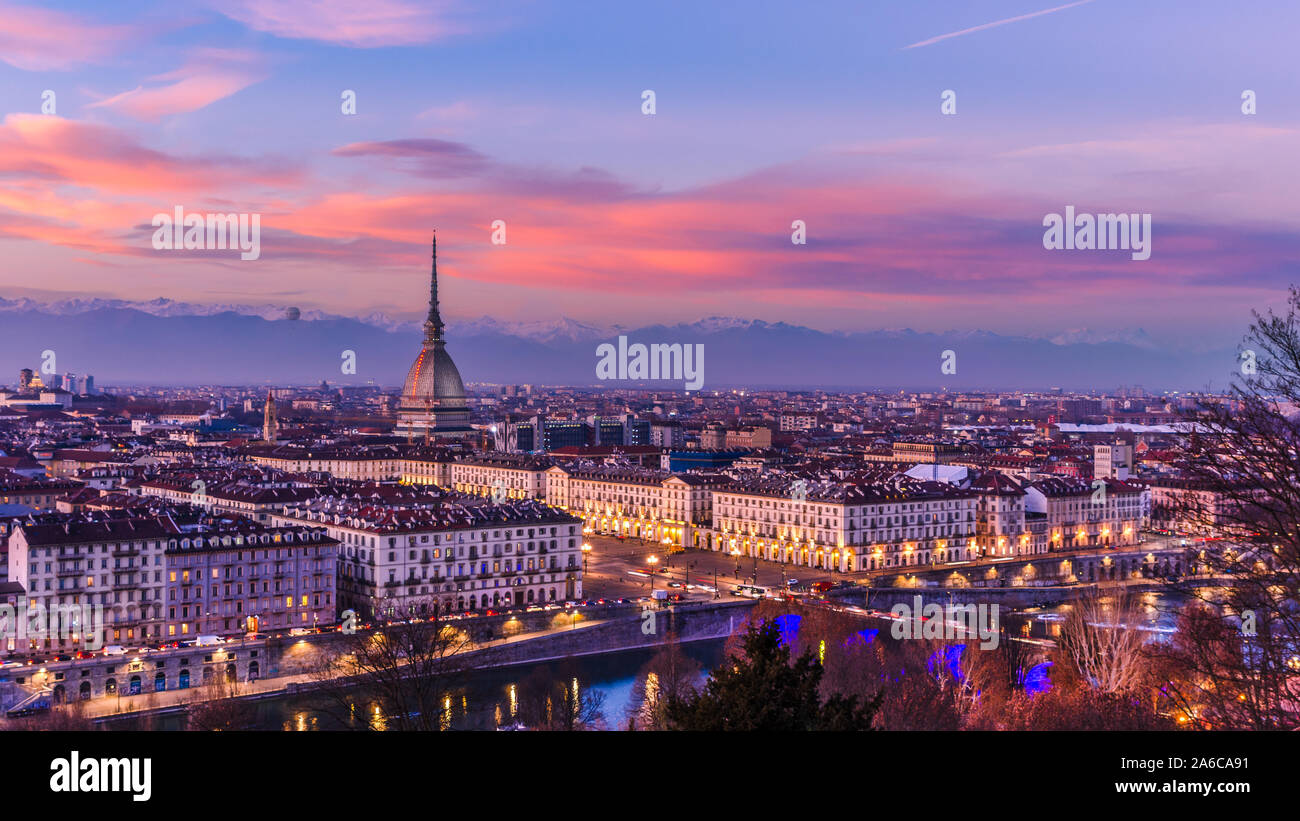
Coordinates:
[433,378]
[433,397]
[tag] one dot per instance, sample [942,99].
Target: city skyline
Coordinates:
[914,218]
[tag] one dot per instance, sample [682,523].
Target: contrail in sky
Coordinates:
[994,24]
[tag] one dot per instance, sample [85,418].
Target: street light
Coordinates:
[652,561]
[586,551]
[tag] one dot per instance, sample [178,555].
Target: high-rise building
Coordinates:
[564,433]
[667,434]
[1112,461]
[523,436]
[607,430]
[433,398]
[24,380]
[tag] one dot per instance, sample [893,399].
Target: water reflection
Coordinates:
[494,699]
[508,698]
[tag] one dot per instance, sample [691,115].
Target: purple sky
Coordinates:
[766,113]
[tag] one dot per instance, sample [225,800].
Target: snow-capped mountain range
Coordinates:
[563,329]
[163,341]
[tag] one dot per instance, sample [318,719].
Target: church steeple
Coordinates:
[270,424]
[433,325]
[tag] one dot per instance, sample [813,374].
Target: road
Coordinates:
[610,561]
[122,704]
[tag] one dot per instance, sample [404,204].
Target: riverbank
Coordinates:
[634,630]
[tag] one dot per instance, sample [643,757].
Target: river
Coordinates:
[489,700]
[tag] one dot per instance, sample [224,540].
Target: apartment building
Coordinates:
[240,577]
[1101,513]
[1001,528]
[940,453]
[500,476]
[1112,461]
[112,563]
[38,494]
[366,464]
[256,502]
[141,577]
[1190,506]
[636,503]
[845,525]
[404,555]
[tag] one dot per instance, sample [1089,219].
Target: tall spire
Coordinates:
[433,325]
[270,424]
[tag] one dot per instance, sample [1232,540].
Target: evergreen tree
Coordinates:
[764,690]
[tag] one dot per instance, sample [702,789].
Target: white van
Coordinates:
[206,641]
[115,650]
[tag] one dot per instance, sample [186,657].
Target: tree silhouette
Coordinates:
[763,689]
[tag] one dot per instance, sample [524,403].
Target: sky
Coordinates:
[765,113]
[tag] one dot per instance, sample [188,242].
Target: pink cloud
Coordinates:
[52,149]
[371,24]
[35,39]
[882,239]
[210,76]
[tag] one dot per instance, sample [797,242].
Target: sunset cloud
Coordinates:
[210,76]
[36,39]
[424,157]
[56,150]
[372,24]
[889,232]
[531,114]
